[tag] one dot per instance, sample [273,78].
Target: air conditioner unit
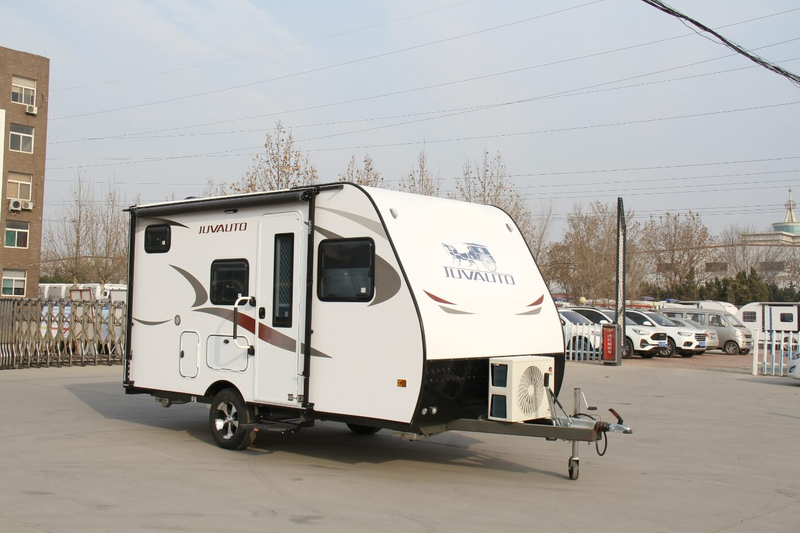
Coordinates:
[14,204]
[31,109]
[27,206]
[518,388]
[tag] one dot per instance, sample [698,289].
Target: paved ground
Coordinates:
[712,451]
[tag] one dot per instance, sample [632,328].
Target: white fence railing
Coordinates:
[584,342]
[35,333]
[773,351]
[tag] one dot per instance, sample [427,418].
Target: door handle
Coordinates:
[181,354]
[262,313]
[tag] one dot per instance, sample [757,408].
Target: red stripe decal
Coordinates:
[538,302]
[437,299]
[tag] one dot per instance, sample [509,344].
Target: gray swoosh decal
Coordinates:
[200,294]
[372,225]
[150,323]
[170,222]
[454,311]
[534,312]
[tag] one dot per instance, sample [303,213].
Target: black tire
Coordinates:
[574,469]
[627,349]
[731,348]
[669,351]
[363,430]
[228,411]
[744,351]
[649,355]
[687,354]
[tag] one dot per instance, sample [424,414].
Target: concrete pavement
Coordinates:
[712,451]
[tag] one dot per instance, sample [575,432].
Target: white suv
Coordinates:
[679,339]
[641,340]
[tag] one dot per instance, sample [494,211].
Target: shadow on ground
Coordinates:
[328,441]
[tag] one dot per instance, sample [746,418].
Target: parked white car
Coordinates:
[712,340]
[680,339]
[641,340]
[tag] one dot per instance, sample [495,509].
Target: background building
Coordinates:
[24,84]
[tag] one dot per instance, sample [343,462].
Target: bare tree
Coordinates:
[487,182]
[88,243]
[213,188]
[420,180]
[280,167]
[680,246]
[584,261]
[367,176]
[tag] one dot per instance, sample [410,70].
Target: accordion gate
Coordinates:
[39,333]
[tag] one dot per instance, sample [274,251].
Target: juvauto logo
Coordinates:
[475,264]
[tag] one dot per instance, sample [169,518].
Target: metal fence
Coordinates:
[584,342]
[37,333]
[773,351]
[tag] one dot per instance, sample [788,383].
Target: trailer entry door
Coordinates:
[281,288]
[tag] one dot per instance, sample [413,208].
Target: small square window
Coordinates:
[14,282]
[749,316]
[346,270]
[787,317]
[16,234]
[157,239]
[229,280]
[19,186]
[23,90]
[21,139]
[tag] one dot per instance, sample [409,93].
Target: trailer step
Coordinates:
[274,427]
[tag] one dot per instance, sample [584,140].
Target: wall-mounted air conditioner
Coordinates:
[518,388]
[15,204]
[27,206]
[31,109]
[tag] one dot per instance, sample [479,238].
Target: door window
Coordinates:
[229,280]
[283,281]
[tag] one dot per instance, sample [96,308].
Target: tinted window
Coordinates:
[787,317]
[660,320]
[700,319]
[346,270]
[229,279]
[749,316]
[283,281]
[575,318]
[157,239]
[637,318]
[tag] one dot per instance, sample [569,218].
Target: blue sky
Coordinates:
[105,56]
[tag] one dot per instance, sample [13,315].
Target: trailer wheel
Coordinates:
[731,348]
[574,468]
[228,410]
[363,430]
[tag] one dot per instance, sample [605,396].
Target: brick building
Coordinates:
[24,85]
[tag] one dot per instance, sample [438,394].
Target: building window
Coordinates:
[16,234]
[23,91]
[14,282]
[346,270]
[229,280]
[21,139]
[749,316]
[19,186]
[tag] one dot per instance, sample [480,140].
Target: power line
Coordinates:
[251,54]
[454,82]
[794,78]
[327,67]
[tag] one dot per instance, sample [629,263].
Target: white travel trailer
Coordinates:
[371,307]
[770,316]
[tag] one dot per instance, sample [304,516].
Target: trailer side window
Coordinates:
[346,270]
[283,281]
[787,317]
[229,279]
[157,239]
[749,316]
